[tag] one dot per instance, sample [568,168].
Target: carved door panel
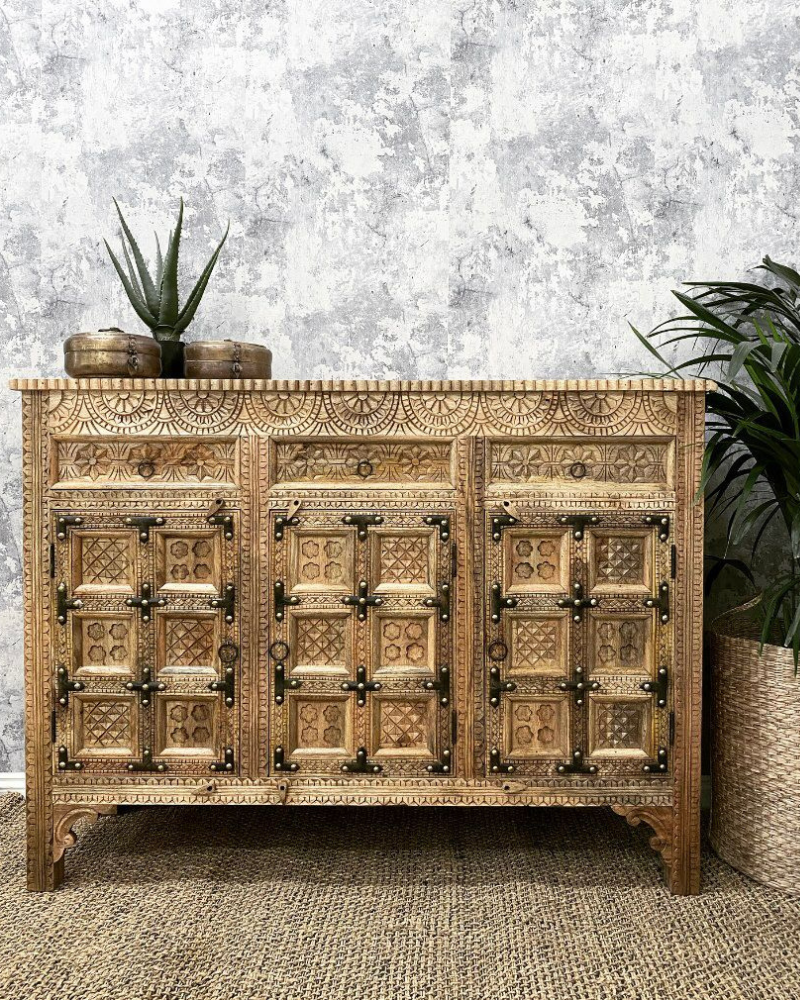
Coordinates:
[146,642]
[360,643]
[577,655]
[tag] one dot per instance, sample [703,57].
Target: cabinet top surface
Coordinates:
[356,385]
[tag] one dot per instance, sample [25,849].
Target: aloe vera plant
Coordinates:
[749,337]
[155,297]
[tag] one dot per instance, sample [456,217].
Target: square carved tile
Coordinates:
[189,561]
[322,561]
[320,642]
[403,561]
[103,562]
[103,642]
[620,561]
[403,726]
[620,726]
[404,641]
[535,560]
[187,642]
[186,726]
[104,725]
[538,643]
[621,643]
[320,725]
[536,726]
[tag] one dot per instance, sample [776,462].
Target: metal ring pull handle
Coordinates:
[279,650]
[365,468]
[146,469]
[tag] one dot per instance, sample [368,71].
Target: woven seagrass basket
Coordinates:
[755,752]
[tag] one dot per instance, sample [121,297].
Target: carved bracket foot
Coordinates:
[660,820]
[65,817]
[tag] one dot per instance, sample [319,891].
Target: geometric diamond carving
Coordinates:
[619,726]
[190,642]
[104,560]
[106,724]
[537,645]
[405,725]
[404,559]
[620,559]
[320,640]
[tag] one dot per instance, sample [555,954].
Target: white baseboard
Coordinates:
[12,781]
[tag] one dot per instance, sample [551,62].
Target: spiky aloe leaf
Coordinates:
[136,302]
[190,307]
[150,294]
[132,272]
[168,310]
[159,265]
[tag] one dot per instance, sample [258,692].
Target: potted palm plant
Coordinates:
[749,338]
[155,297]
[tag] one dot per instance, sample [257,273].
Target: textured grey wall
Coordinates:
[416,187]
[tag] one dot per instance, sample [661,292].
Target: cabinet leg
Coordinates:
[672,841]
[50,834]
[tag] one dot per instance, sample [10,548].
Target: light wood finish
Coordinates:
[363,593]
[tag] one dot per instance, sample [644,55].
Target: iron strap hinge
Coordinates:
[64,523]
[496,765]
[361,685]
[65,604]
[65,764]
[362,522]
[226,520]
[578,523]
[661,521]
[500,603]
[281,600]
[146,763]
[360,764]
[145,601]
[661,602]
[498,687]
[442,685]
[280,764]
[442,521]
[362,600]
[227,602]
[144,524]
[224,765]
[577,765]
[442,602]
[145,686]
[658,687]
[442,766]
[65,685]
[228,654]
[287,520]
[579,686]
[500,521]
[577,602]
[661,766]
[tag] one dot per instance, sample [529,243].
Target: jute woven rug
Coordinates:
[264,903]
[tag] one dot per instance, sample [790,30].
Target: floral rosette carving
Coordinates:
[204,409]
[363,411]
[601,412]
[519,412]
[123,408]
[442,412]
[283,411]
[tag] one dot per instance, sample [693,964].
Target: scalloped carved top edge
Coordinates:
[347,385]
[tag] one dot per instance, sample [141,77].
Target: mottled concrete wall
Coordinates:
[420,188]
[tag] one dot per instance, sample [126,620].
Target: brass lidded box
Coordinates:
[227,359]
[112,352]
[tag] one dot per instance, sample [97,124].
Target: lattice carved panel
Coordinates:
[620,726]
[321,642]
[536,727]
[620,561]
[403,726]
[539,644]
[103,562]
[104,726]
[404,561]
[187,643]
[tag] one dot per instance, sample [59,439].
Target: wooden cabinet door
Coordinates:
[361,642]
[146,642]
[578,647]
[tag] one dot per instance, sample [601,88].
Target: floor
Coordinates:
[264,903]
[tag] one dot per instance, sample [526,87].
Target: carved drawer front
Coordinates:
[146,641]
[361,642]
[363,462]
[573,462]
[579,644]
[113,462]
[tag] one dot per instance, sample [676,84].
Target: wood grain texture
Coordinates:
[386,490]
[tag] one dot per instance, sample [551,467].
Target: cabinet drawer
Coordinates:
[97,462]
[364,462]
[624,461]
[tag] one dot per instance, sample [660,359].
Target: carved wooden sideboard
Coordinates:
[455,593]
